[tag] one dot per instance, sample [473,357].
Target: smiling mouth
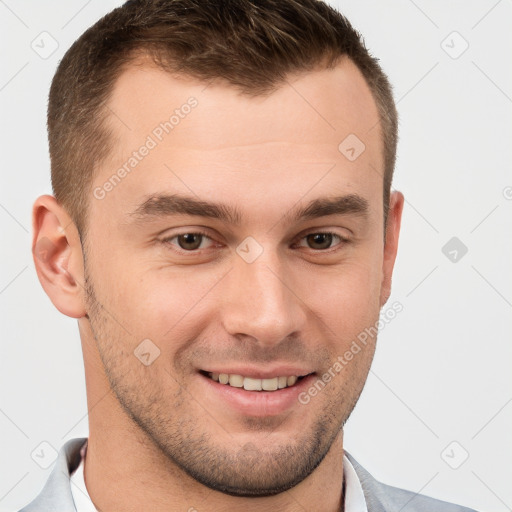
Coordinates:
[252,384]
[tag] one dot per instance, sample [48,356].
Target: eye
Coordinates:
[321,241]
[189,241]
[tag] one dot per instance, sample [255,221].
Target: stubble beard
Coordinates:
[237,469]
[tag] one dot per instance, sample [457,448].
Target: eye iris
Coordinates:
[190,241]
[322,240]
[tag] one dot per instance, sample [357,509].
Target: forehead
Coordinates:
[332,101]
[209,138]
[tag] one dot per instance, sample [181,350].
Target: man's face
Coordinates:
[260,286]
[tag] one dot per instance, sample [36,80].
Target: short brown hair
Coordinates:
[251,44]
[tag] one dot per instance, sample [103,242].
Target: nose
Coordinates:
[262,302]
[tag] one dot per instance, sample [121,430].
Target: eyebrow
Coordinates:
[166,205]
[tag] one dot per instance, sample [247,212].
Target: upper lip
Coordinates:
[260,373]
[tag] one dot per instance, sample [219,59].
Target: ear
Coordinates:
[396,205]
[58,257]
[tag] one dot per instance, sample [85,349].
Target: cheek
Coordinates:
[346,298]
[164,303]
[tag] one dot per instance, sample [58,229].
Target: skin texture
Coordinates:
[159,438]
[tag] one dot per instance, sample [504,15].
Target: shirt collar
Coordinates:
[354,495]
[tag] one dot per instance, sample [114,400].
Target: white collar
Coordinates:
[354,495]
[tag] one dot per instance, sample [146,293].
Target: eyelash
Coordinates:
[342,240]
[167,240]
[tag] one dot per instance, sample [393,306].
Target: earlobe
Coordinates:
[58,258]
[396,205]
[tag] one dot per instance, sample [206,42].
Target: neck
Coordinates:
[123,475]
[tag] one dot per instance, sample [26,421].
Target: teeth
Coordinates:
[250,384]
[236,381]
[291,380]
[282,382]
[269,384]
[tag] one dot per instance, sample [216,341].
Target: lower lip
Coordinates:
[256,403]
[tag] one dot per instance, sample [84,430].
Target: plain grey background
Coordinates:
[436,414]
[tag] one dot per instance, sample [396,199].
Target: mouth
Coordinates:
[254,384]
